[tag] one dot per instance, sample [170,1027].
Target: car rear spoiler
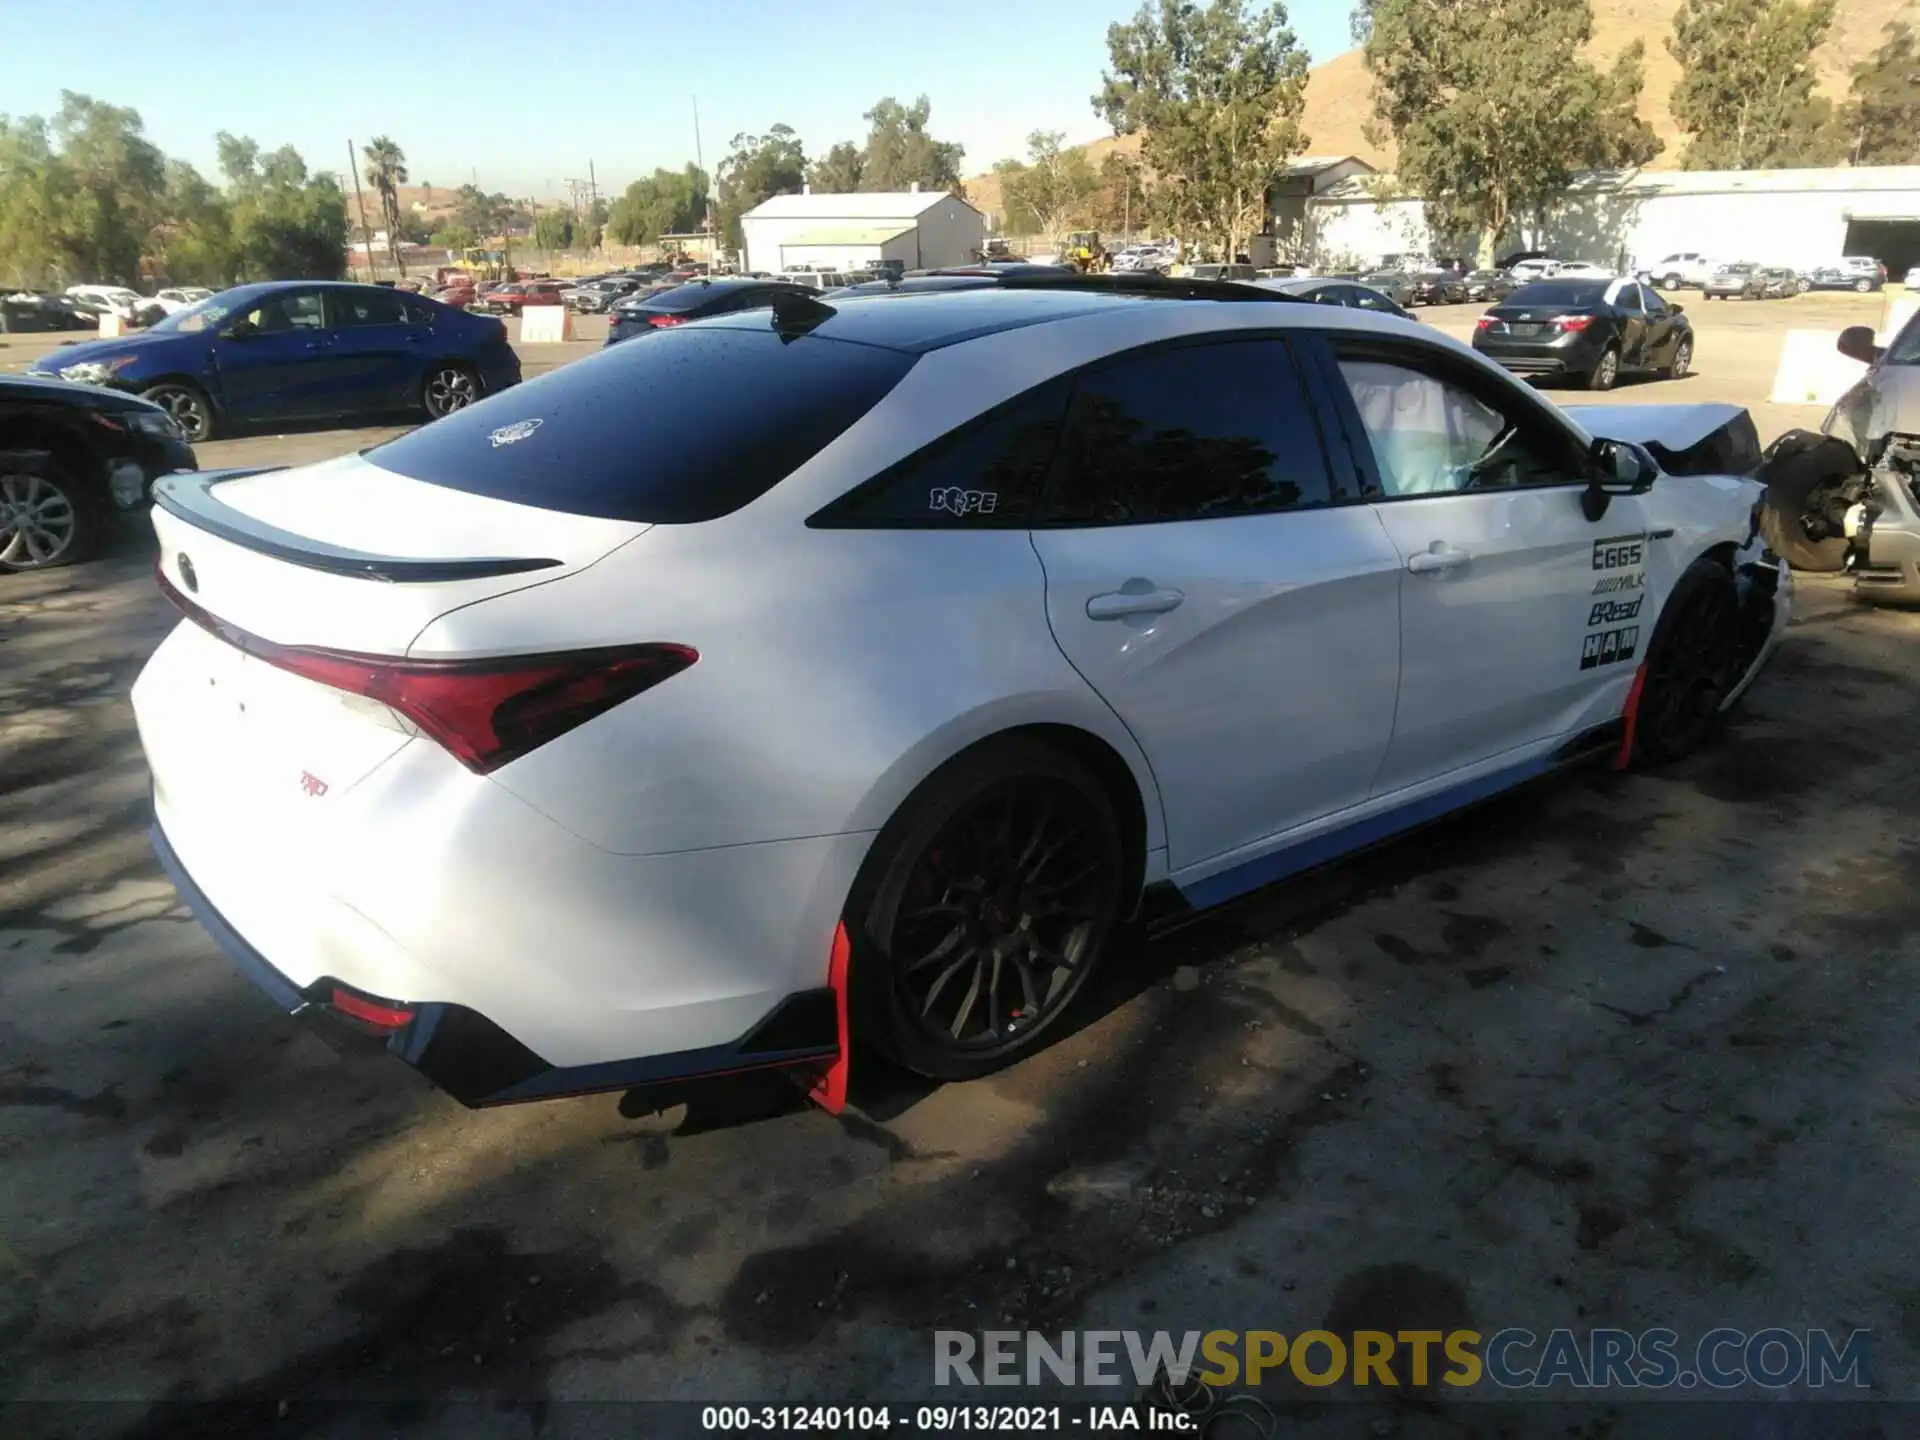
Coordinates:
[190,497]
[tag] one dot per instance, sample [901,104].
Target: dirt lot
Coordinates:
[1622,1051]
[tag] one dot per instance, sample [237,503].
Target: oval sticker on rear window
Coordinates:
[508,434]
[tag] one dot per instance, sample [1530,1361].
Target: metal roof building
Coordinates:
[919,228]
[1800,218]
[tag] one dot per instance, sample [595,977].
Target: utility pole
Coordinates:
[366,237]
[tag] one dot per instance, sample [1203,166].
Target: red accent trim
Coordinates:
[1631,715]
[386,1017]
[830,1089]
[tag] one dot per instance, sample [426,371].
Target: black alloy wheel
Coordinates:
[998,895]
[448,388]
[1682,360]
[190,409]
[1691,668]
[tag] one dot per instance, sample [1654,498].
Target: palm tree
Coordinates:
[387,172]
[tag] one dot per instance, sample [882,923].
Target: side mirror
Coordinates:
[1856,343]
[1677,308]
[1616,468]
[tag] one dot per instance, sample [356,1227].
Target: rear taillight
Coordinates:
[660,322]
[1485,322]
[374,1014]
[1573,322]
[485,713]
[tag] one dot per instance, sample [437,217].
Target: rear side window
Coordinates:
[1192,433]
[986,475]
[366,307]
[684,297]
[677,427]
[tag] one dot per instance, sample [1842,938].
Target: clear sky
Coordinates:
[523,95]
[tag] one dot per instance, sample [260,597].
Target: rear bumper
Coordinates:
[480,1064]
[1527,357]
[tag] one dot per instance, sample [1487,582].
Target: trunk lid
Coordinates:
[351,556]
[1528,321]
[342,556]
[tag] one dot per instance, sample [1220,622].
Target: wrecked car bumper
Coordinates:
[1765,585]
[1884,530]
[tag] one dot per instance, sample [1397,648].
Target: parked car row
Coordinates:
[1748,279]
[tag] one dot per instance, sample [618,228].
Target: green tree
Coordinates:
[900,152]
[1217,92]
[456,236]
[589,235]
[1492,110]
[757,167]
[1745,95]
[552,230]
[486,215]
[1881,119]
[1124,201]
[80,194]
[288,224]
[1053,191]
[194,244]
[667,202]
[839,171]
[386,165]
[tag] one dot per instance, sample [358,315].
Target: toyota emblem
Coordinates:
[187,577]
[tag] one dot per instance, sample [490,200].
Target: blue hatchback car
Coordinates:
[299,350]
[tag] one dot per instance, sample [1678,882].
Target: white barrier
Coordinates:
[112,327]
[1811,371]
[545,325]
[1899,310]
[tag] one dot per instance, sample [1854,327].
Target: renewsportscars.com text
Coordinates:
[1512,1359]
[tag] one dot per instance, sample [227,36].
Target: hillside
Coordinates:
[1338,102]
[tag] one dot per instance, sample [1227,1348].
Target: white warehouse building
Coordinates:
[1798,218]
[919,228]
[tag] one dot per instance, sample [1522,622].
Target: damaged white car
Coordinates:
[1848,498]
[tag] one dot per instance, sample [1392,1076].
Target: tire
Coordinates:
[1682,361]
[1802,285]
[1691,666]
[447,387]
[1003,869]
[1862,287]
[49,516]
[1605,371]
[1670,282]
[1794,467]
[189,406]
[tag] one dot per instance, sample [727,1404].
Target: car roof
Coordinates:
[724,286]
[942,310]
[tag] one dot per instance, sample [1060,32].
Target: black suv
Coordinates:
[71,458]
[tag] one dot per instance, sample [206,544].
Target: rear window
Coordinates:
[686,425]
[1560,292]
[686,297]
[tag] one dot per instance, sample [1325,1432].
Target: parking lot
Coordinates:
[1618,1050]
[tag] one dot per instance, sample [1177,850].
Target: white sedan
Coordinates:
[864,680]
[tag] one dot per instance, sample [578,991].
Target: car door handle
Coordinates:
[1127,600]
[1438,556]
